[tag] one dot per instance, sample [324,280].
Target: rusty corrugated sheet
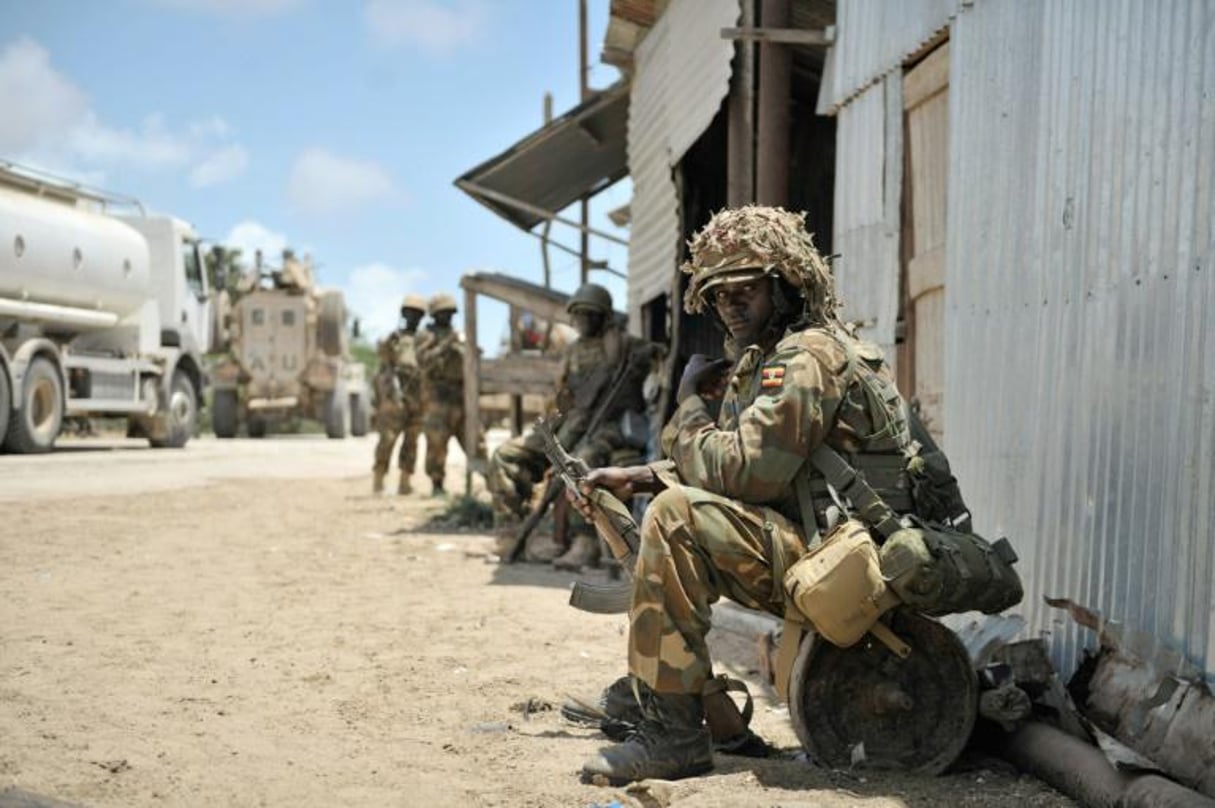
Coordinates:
[875,37]
[1080,348]
[682,75]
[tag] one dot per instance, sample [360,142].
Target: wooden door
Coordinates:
[921,361]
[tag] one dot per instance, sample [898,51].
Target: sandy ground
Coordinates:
[243,623]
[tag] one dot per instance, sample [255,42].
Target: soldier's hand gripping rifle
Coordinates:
[612,520]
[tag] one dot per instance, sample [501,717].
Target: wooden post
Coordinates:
[472,386]
[775,76]
[740,128]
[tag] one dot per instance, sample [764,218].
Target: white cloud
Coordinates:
[229,8]
[223,165]
[35,98]
[427,24]
[47,121]
[374,292]
[250,236]
[322,183]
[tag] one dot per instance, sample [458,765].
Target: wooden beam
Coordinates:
[541,302]
[783,36]
[472,392]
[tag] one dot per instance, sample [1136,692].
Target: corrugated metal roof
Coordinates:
[581,152]
[874,37]
[682,76]
[1080,347]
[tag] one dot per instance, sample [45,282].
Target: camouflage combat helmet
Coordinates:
[442,302]
[593,296]
[414,301]
[754,241]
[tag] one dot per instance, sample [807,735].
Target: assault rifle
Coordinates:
[554,487]
[612,520]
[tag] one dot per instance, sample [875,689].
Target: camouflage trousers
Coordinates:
[391,423]
[444,420]
[695,548]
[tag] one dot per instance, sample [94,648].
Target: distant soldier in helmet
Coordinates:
[398,396]
[441,355]
[593,366]
[738,493]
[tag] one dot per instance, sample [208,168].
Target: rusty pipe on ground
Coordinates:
[1081,771]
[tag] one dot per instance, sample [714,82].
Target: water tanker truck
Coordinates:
[104,312]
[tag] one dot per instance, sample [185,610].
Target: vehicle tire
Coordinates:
[181,411]
[330,323]
[335,415]
[256,426]
[360,415]
[35,423]
[6,403]
[224,419]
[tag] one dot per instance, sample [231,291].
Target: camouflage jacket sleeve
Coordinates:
[793,394]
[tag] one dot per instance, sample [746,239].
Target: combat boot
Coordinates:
[583,551]
[377,482]
[670,743]
[403,486]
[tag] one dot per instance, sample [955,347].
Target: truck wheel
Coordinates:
[6,403]
[180,414]
[256,426]
[330,322]
[34,425]
[360,416]
[335,415]
[223,414]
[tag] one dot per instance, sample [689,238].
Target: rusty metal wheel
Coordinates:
[865,706]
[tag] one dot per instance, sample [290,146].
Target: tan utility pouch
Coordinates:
[838,588]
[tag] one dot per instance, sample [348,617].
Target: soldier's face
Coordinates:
[745,307]
[586,321]
[411,317]
[442,319]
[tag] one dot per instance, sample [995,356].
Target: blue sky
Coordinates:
[332,126]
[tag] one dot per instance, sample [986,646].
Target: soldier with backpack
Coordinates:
[742,497]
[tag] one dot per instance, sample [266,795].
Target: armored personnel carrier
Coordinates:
[288,358]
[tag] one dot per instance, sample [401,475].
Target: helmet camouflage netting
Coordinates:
[755,237]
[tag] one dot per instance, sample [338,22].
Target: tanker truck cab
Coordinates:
[101,315]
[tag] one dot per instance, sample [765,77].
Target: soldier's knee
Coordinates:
[668,509]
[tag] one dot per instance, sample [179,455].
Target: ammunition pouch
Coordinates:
[939,570]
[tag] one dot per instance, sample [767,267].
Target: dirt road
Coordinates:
[242,623]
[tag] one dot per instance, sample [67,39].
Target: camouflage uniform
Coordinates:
[441,355]
[731,493]
[729,486]
[589,374]
[398,401]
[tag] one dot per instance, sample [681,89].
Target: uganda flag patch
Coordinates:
[772,377]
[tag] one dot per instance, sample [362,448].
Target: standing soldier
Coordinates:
[398,396]
[441,355]
[604,362]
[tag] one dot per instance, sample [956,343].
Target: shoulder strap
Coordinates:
[850,483]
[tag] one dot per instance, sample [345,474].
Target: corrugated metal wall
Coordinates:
[868,189]
[682,74]
[1080,349]
[874,37]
